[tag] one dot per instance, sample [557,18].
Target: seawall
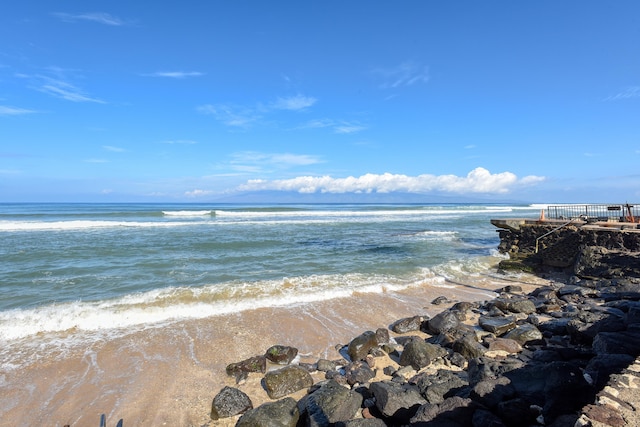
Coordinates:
[604,256]
[588,250]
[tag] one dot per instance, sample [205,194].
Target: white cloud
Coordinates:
[630,92]
[114,149]
[14,111]
[342,127]
[406,74]
[478,180]
[295,103]
[231,116]
[254,162]
[56,83]
[197,193]
[176,74]
[348,128]
[65,90]
[99,17]
[244,117]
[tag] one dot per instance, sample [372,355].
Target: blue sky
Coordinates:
[192,101]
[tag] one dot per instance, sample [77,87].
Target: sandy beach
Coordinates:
[169,375]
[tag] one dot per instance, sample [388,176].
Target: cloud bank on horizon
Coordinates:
[478,180]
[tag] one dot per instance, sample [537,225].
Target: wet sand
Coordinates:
[169,375]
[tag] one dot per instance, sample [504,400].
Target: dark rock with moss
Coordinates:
[287,380]
[252,364]
[281,354]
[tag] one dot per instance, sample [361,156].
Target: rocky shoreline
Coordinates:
[540,358]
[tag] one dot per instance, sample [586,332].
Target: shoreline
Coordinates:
[168,376]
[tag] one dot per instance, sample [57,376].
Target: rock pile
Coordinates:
[518,360]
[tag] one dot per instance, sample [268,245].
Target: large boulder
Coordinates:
[453,412]
[407,324]
[498,325]
[483,368]
[468,347]
[515,305]
[282,413]
[358,373]
[625,342]
[229,402]
[524,333]
[436,388]
[418,353]
[503,345]
[287,380]
[490,392]
[360,346]
[331,403]
[398,402]
[443,322]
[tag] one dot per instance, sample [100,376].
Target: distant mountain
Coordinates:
[295,197]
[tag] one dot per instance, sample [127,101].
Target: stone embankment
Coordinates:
[564,354]
[588,250]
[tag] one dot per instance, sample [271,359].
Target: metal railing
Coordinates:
[623,212]
[549,232]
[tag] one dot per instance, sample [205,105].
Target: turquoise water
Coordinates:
[99,266]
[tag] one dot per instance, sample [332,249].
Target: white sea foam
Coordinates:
[188,213]
[81,225]
[159,306]
[437,235]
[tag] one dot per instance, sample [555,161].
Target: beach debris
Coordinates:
[229,402]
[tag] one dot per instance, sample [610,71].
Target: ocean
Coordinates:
[77,278]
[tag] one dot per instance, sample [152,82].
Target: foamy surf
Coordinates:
[189,213]
[160,306]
